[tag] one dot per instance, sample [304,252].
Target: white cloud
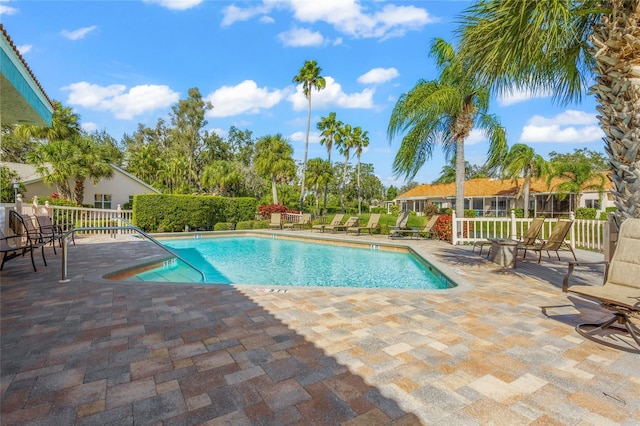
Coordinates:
[314,137]
[378,75]
[567,127]
[7,10]
[89,126]
[245,97]
[175,4]
[332,95]
[520,95]
[346,16]
[301,37]
[25,48]
[114,98]
[476,136]
[79,33]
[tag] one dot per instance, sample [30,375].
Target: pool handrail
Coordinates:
[129,226]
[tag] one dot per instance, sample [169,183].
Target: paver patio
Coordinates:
[499,350]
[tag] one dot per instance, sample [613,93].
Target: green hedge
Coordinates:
[171,213]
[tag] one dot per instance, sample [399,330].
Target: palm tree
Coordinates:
[309,76]
[54,164]
[64,124]
[222,176]
[318,173]
[344,141]
[560,46]
[273,159]
[444,112]
[328,127]
[522,161]
[360,141]
[90,161]
[576,177]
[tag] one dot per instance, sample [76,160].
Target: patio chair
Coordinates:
[276,220]
[351,222]
[49,231]
[305,220]
[428,229]
[22,242]
[371,225]
[556,242]
[530,238]
[401,223]
[621,290]
[337,220]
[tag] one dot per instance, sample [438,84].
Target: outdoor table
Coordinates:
[504,251]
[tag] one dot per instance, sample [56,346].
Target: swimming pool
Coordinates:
[275,261]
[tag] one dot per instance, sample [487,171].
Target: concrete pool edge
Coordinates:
[453,275]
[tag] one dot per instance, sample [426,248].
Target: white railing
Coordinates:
[586,234]
[82,217]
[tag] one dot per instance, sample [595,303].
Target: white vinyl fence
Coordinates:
[585,234]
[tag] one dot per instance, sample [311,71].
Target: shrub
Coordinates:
[469,213]
[430,209]
[443,228]
[266,210]
[223,226]
[586,213]
[519,213]
[380,210]
[244,224]
[605,213]
[260,224]
[394,209]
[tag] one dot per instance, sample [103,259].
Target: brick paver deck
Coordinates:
[499,350]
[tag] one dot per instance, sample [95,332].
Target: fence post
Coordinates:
[119,214]
[514,230]
[572,216]
[454,228]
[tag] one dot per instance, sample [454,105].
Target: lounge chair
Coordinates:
[276,220]
[351,222]
[556,242]
[530,238]
[428,229]
[621,290]
[337,220]
[305,220]
[401,223]
[22,242]
[371,225]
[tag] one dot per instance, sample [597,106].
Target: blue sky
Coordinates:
[120,63]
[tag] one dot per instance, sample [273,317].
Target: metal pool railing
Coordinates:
[111,230]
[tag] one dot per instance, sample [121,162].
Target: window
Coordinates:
[593,204]
[102,201]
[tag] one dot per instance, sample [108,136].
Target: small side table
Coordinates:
[503,252]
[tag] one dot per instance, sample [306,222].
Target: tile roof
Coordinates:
[483,187]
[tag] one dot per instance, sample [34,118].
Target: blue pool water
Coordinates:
[270,261]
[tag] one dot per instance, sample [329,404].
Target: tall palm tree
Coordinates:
[576,177]
[329,127]
[560,46]
[309,76]
[344,141]
[360,141]
[318,173]
[521,161]
[442,111]
[90,161]
[64,124]
[273,159]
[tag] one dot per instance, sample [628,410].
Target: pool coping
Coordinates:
[462,284]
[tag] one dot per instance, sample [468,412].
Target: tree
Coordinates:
[344,141]
[521,161]
[582,155]
[64,124]
[576,177]
[242,145]
[408,187]
[7,191]
[273,159]
[187,117]
[309,76]
[392,193]
[14,149]
[471,171]
[560,46]
[328,127]
[90,160]
[319,172]
[360,141]
[222,177]
[444,112]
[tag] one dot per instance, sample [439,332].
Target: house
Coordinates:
[106,194]
[495,197]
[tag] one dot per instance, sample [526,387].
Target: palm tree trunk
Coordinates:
[274,191]
[525,194]
[306,150]
[78,191]
[359,198]
[460,178]
[326,184]
[344,183]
